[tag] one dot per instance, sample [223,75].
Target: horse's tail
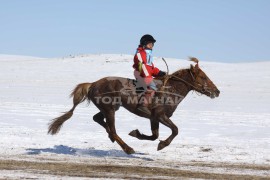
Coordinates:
[79,95]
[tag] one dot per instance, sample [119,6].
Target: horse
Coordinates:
[110,93]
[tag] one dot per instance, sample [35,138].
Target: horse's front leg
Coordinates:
[167,122]
[154,127]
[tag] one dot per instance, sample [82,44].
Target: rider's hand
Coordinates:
[161,73]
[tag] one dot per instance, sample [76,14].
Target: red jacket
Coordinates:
[143,62]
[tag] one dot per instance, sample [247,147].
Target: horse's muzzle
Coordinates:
[217,92]
[214,93]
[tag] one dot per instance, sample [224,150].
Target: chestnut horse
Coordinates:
[109,93]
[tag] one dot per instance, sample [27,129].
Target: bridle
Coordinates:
[167,77]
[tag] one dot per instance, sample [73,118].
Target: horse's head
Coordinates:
[201,81]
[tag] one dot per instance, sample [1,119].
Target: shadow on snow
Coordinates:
[61,149]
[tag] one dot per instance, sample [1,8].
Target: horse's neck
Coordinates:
[181,87]
[176,90]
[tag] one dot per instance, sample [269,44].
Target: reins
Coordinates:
[170,76]
[177,78]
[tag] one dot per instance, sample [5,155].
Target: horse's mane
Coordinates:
[175,73]
[179,71]
[193,59]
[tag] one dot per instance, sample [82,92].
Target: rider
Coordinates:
[145,69]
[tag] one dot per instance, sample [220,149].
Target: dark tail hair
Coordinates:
[79,95]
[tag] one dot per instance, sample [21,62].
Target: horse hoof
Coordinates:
[134,133]
[161,145]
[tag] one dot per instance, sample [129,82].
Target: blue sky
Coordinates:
[212,30]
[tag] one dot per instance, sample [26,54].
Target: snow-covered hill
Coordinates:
[234,128]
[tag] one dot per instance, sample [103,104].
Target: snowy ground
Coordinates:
[230,134]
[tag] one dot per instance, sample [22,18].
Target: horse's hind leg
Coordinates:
[99,118]
[154,127]
[110,119]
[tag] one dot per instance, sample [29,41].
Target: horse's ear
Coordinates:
[194,59]
[194,69]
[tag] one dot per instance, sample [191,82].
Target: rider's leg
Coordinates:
[146,99]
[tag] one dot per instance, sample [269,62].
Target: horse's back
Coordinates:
[113,83]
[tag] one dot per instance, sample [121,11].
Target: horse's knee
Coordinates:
[155,135]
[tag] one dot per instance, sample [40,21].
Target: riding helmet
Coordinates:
[147,38]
